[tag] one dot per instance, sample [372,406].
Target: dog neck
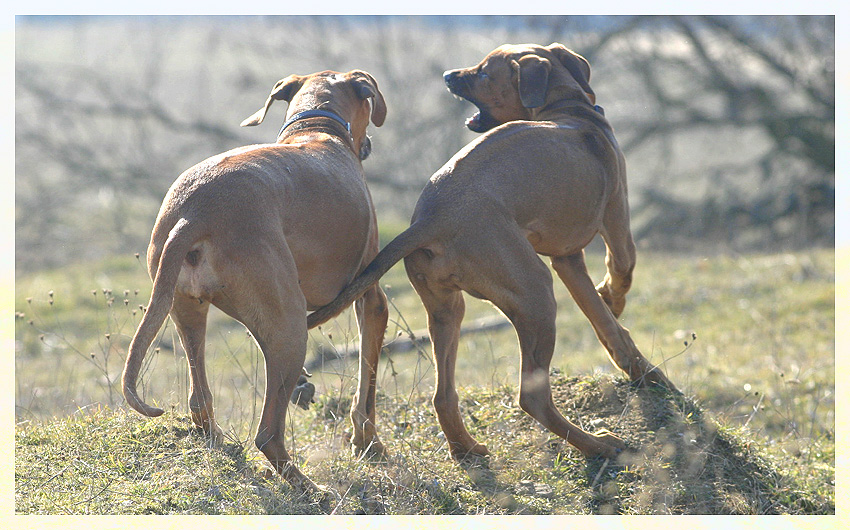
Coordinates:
[316,113]
[565,104]
[573,107]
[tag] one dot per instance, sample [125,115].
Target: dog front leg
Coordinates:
[619,256]
[614,337]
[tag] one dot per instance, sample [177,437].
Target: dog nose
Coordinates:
[449,75]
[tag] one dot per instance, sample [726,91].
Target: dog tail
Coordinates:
[417,235]
[180,240]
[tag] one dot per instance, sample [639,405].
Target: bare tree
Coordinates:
[727,122]
[767,83]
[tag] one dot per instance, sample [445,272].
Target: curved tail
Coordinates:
[180,240]
[406,242]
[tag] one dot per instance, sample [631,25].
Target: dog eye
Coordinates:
[482,75]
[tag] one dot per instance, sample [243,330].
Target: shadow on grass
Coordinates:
[680,462]
[487,482]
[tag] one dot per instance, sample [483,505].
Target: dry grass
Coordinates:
[755,435]
[680,461]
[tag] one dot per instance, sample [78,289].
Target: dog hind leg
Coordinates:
[282,348]
[190,319]
[445,309]
[530,305]
[264,294]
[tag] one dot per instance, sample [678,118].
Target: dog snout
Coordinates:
[451,78]
[457,83]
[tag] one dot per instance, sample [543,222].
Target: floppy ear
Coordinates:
[283,90]
[367,87]
[532,79]
[577,65]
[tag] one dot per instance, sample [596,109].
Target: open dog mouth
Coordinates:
[481,121]
[458,85]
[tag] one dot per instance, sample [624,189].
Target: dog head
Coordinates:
[513,82]
[353,96]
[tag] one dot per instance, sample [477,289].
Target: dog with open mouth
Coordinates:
[544,179]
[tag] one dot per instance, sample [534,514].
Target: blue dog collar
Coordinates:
[316,113]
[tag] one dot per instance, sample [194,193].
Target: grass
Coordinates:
[755,436]
[104,461]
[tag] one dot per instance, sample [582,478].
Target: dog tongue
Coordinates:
[474,121]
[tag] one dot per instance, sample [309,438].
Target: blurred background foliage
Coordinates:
[727,122]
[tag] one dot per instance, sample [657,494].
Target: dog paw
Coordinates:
[316,494]
[473,453]
[608,445]
[212,431]
[325,496]
[322,496]
[372,450]
[217,437]
[615,304]
[655,377]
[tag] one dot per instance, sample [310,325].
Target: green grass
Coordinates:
[680,462]
[761,375]
[105,462]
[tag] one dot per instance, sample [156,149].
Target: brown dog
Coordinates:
[265,233]
[545,179]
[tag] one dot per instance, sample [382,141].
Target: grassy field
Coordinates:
[756,434]
[681,462]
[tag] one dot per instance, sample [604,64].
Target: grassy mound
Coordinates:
[680,461]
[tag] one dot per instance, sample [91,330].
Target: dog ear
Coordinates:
[533,79]
[283,90]
[577,65]
[367,87]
